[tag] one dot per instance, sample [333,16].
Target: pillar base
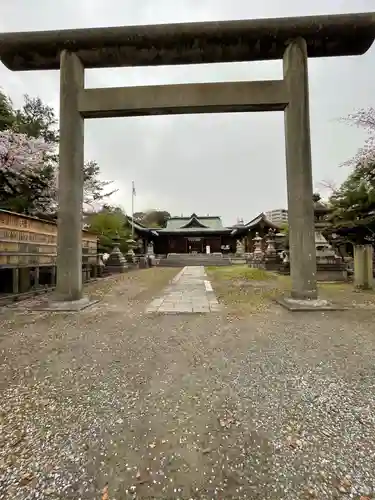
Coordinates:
[304,295]
[304,305]
[66,305]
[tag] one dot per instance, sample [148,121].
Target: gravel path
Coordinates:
[186,406]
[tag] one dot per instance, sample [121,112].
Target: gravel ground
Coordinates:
[272,406]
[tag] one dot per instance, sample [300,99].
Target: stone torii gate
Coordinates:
[290,39]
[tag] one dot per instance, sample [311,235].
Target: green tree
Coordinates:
[284,229]
[109,223]
[94,189]
[37,119]
[7,114]
[353,205]
[153,218]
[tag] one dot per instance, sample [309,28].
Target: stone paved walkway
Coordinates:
[189,292]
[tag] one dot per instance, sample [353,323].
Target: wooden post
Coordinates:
[53,276]
[24,279]
[36,277]
[15,280]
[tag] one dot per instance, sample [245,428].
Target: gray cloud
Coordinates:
[230,165]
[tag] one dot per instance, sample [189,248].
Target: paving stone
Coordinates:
[184,309]
[187,303]
[215,308]
[152,309]
[157,302]
[189,291]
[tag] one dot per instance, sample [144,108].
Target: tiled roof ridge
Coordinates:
[188,217]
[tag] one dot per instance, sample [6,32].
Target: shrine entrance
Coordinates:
[195,245]
[290,39]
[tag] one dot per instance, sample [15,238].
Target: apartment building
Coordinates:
[278,216]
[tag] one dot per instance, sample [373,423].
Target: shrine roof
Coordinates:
[194,224]
[321,208]
[254,222]
[140,227]
[189,43]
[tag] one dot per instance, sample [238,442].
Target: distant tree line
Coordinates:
[152,218]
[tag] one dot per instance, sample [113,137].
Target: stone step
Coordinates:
[165,262]
[197,256]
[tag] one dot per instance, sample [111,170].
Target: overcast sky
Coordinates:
[231,165]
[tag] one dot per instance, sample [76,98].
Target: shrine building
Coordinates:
[201,234]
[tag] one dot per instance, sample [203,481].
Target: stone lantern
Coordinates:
[240,248]
[271,253]
[323,249]
[116,262]
[258,254]
[150,249]
[281,241]
[100,265]
[321,210]
[130,254]
[270,240]
[330,266]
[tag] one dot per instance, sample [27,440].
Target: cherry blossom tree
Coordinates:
[29,161]
[353,203]
[327,185]
[363,162]
[24,169]
[365,156]
[20,154]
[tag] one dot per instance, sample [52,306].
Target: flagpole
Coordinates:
[133,191]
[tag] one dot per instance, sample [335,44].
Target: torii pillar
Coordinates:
[299,173]
[71,157]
